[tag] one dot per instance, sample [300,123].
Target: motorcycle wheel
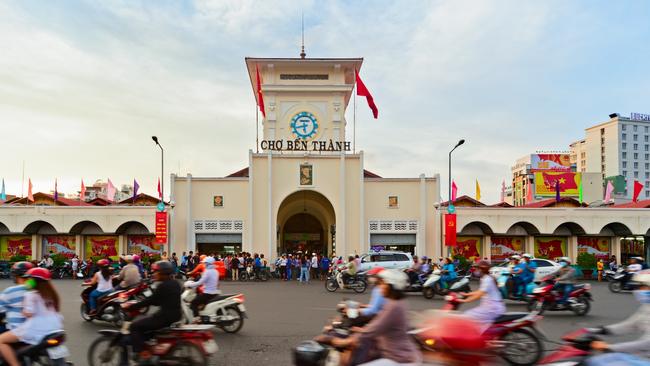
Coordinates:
[362,288]
[237,324]
[102,353]
[437,288]
[185,353]
[583,306]
[615,286]
[84,313]
[522,347]
[243,276]
[534,305]
[331,285]
[428,293]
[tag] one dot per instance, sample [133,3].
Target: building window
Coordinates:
[624,155]
[645,138]
[624,146]
[647,193]
[623,127]
[635,147]
[636,174]
[647,156]
[635,137]
[624,172]
[625,164]
[624,136]
[636,156]
[647,147]
[635,127]
[645,129]
[636,165]
[602,141]
[647,175]
[647,166]
[647,184]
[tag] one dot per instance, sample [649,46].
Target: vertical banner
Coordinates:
[501,248]
[15,245]
[468,247]
[98,246]
[137,243]
[161,227]
[550,247]
[59,244]
[598,246]
[450,229]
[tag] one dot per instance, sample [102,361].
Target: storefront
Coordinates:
[393,242]
[219,243]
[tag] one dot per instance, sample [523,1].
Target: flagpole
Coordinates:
[354,116]
[257,129]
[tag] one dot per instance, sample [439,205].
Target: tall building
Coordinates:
[619,147]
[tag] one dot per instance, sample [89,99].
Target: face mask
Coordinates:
[643,296]
[30,283]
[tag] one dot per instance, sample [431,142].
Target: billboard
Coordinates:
[98,246]
[597,246]
[550,247]
[468,247]
[550,162]
[545,183]
[502,247]
[59,244]
[137,243]
[15,245]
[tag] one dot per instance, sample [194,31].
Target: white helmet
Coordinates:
[526,255]
[642,277]
[208,261]
[397,279]
[515,257]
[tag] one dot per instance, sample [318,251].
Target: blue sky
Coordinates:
[84,84]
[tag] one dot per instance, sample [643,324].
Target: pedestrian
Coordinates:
[612,263]
[324,267]
[289,266]
[75,266]
[190,261]
[164,256]
[305,264]
[183,261]
[226,265]
[283,267]
[600,266]
[174,260]
[257,265]
[234,268]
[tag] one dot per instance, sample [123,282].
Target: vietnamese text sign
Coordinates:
[302,145]
[161,227]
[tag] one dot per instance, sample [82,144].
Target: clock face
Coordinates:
[304,125]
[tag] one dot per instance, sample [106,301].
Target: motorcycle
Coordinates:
[64,271]
[108,306]
[249,275]
[622,281]
[513,337]
[416,282]
[506,284]
[432,285]
[50,351]
[335,281]
[544,298]
[225,311]
[178,345]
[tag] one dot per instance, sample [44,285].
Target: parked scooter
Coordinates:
[506,284]
[545,298]
[622,281]
[50,351]
[64,271]
[432,285]
[335,281]
[225,311]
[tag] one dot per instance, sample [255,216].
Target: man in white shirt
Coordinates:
[314,265]
[210,281]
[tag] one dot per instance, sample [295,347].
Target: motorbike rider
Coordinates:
[41,309]
[529,274]
[46,262]
[519,275]
[565,279]
[414,270]
[138,263]
[11,299]
[491,305]
[448,273]
[639,322]
[350,270]
[198,270]
[167,296]
[210,281]
[388,330]
[104,281]
[129,274]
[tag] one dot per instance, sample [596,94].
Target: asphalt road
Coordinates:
[282,314]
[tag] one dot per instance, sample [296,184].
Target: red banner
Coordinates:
[161,227]
[468,247]
[450,229]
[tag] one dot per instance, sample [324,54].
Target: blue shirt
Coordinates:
[11,301]
[531,275]
[258,262]
[520,270]
[325,263]
[377,301]
[451,270]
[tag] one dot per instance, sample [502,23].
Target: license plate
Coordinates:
[210,347]
[147,293]
[58,352]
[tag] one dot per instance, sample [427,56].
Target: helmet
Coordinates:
[564,259]
[163,267]
[136,258]
[397,279]
[526,255]
[202,257]
[103,263]
[20,268]
[309,353]
[128,258]
[515,257]
[208,260]
[374,271]
[40,273]
[642,277]
[425,257]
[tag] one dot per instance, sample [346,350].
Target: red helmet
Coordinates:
[103,263]
[374,271]
[20,268]
[40,273]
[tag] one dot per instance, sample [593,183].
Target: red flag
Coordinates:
[159,189]
[82,193]
[550,250]
[450,230]
[260,97]
[638,186]
[454,191]
[566,180]
[19,246]
[364,92]
[467,248]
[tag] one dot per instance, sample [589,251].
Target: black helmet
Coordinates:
[20,268]
[309,353]
[163,267]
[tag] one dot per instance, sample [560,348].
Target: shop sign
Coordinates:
[640,117]
[161,227]
[302,145]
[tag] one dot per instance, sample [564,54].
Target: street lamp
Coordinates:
[460,142]
[162,168]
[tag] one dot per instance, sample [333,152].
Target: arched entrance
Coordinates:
[306,223]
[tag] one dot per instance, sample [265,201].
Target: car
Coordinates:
[544,268]
[386,259]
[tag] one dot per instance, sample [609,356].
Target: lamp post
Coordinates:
[162,168]
[460,142]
